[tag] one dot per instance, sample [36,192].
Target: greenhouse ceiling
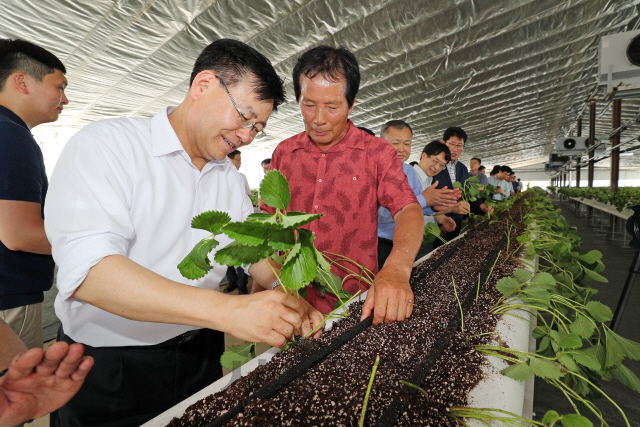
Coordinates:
[514,73]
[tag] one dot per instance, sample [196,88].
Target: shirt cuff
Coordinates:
[77,257]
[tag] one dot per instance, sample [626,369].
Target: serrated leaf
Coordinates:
[237,254]
[248,233]
[292,253]
[599,268]
[431,232]
[200,253]
[282,240]
[523,238]
[555,340]
[300,270]
[599,311]
[298,219]
[567,361]
[263,218]
[550,417]
[506,285]
[236,355]
[586,359]
[522,275]
[530,255]
[544,344]
[591,256]
[544,279]
[626,377]
[519,371]
[211,221]
[618,348]
[545,368]
[274,190]
[571,341]
[582,327]
[594,277]
[538,293]
[575,420]
[322,262]
[189,270]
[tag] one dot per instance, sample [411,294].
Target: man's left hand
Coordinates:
[486,209]
[447,225]
[390,297]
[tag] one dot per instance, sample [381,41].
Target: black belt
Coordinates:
[180,339]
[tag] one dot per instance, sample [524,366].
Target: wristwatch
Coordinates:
[274,285]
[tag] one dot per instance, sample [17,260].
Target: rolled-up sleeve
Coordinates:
[87,210]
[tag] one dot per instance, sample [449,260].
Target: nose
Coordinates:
[63,99]
[245,136]
[320,118]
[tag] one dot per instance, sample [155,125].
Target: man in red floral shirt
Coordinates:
[335,168]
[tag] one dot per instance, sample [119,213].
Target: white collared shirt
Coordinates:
[425,179]
[126,186]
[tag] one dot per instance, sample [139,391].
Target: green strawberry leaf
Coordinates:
[626,377]
[274,190]
[575,420]
[237,254]
[545,368]
[544,279]
[530,255]
[211,221]
[550,417]
[618,348]
[507,285]
[518,371]
[582,327]
[586,359]
[236,355]
[567,361]
[328,281]
[248,233]
[263,218]
[591,256]
[298,219]
[282,240]
[599,311]
[571,341]
[522,275]
[594,277]
[431,232]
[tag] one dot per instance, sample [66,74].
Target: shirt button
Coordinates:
[316,206]
[320,180]
[314,233]
[354,178]
[323,155]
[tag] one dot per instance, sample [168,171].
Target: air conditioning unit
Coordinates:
[619,64]
[557,160]
[573,145]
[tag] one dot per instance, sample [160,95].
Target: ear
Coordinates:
[202,83]
[352,105]
[20,81]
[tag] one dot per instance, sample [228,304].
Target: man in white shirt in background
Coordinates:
[118,216]
[236,158]
[501,181]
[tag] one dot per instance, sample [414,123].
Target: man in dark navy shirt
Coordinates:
[32,84]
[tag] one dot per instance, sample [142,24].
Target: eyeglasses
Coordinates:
[255,132]
[456,146]
[437,162]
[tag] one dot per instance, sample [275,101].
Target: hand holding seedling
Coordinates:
[311,318]
[446,224]
[442,197]
[461,208]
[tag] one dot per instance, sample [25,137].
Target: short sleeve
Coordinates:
[87,211]
[394,192]
[22,176]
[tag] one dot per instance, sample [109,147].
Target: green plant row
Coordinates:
[576,351]
[625,197]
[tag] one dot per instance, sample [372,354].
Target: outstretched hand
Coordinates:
[39,382]
[442,197]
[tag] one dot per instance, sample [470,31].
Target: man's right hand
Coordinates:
[271,317]
[440,197]
[461,208]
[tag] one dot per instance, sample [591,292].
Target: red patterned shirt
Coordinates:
[347,183]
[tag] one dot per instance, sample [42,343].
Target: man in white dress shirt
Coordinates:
[118,216]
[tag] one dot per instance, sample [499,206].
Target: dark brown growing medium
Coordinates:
[332,393]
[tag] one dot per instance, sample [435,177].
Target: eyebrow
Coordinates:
[253,115]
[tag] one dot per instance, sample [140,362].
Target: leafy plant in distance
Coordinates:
[576,349]
[431,233]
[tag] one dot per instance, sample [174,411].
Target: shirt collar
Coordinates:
[10,115]
[423,176]
[452,165]
[163,137]
[355,138]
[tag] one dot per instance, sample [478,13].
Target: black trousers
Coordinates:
[385,246]
[128,386]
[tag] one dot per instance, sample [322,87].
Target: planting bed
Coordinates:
[332,392]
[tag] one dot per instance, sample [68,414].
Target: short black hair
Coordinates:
[506,169]
[413,163]
[268,161]
[332,63]
[233,154]
[436,147]
[231,60]
[518,179]
[481,168]
[398,124]
[26,57]
[455,131]
[475,158]
[495,170]
[367,130]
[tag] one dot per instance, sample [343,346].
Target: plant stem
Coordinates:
[366,396]
[459,305]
